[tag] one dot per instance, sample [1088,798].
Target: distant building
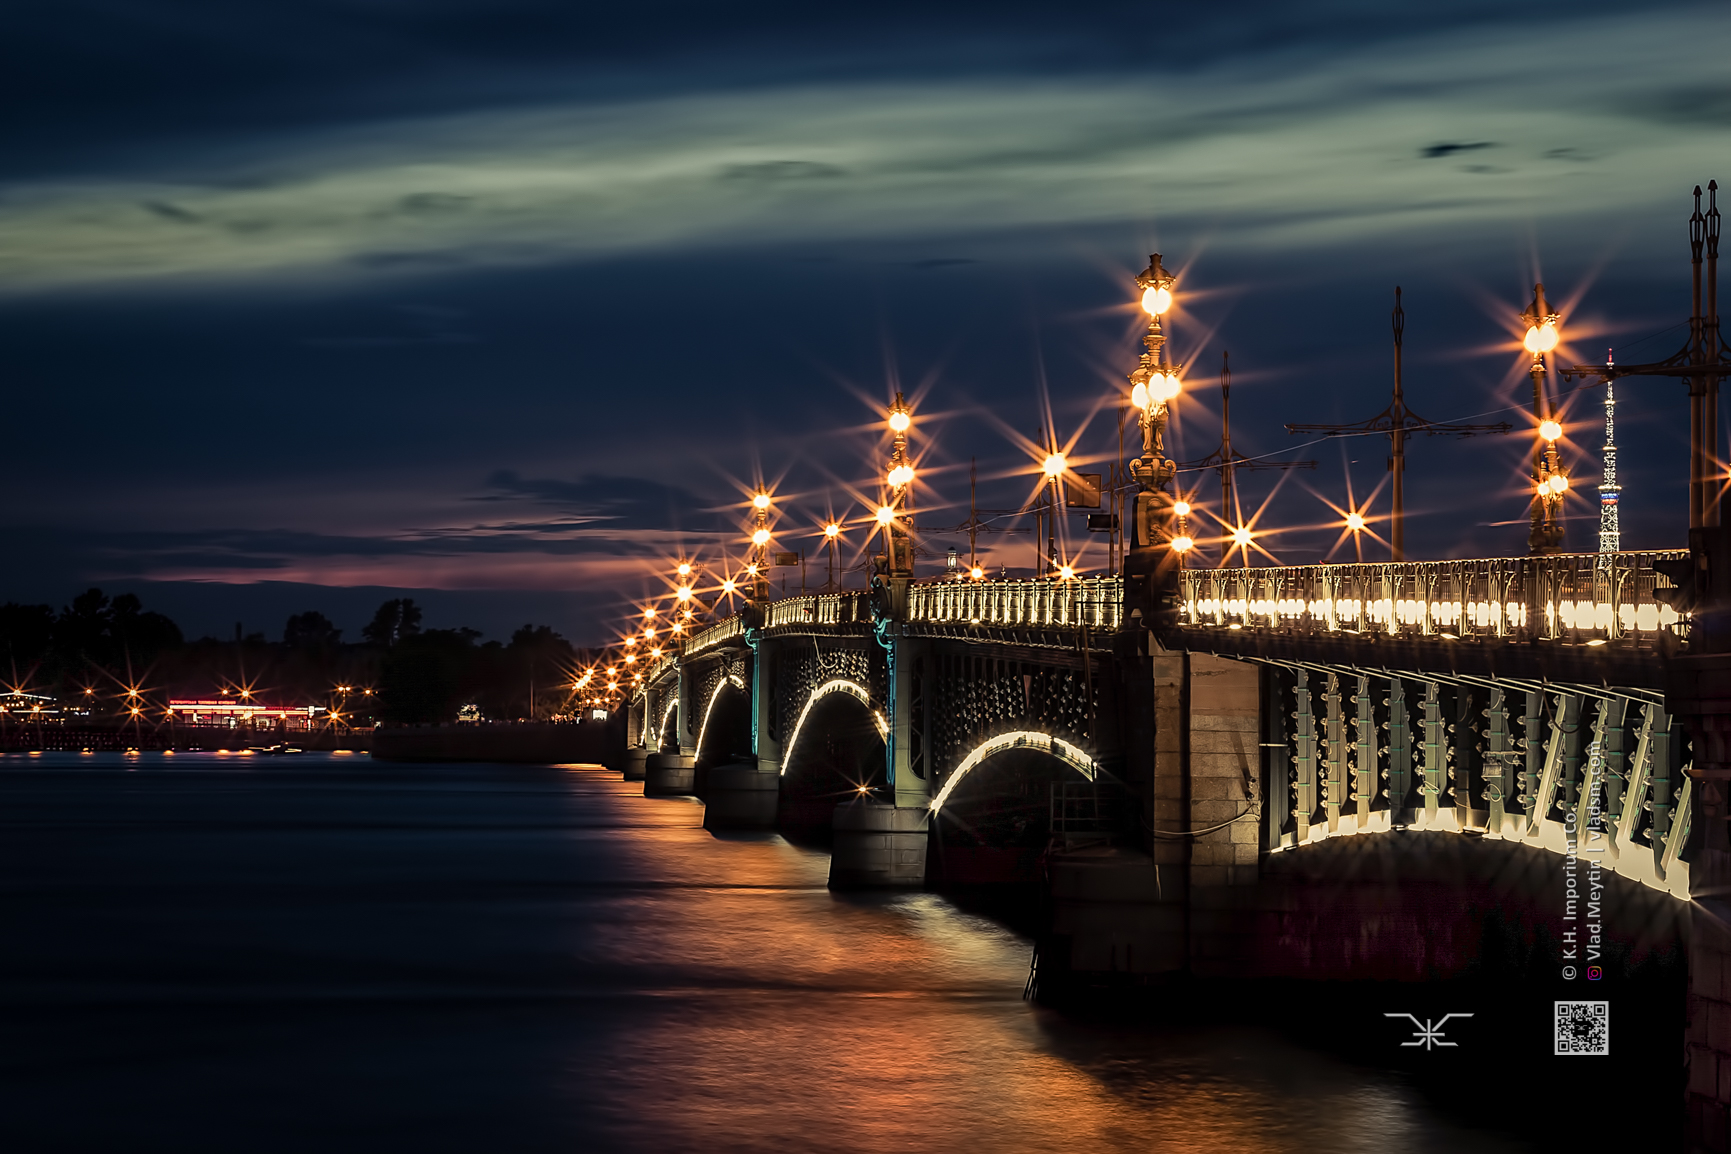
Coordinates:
[233,712]
[16,705]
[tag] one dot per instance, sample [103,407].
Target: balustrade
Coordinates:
[712,635]
[1095,602]
[1586,598]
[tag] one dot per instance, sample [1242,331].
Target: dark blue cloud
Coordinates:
[504,299]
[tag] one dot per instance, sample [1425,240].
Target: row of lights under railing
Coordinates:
[1570,616]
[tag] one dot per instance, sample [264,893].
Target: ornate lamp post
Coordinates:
[832,538]
[1052,468]
[758,568]
[1182,542]
[1549,480]
[893,514]
[1153,386]
[687,602]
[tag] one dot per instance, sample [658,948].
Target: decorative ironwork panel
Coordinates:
[1094,602]
[800,671]
[978,697]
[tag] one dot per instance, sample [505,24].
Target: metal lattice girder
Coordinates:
[1679,832]
[1399,751]
[1663,784]
[1566,714]
[1614,757]
[1574,753]
[1432,747]
[1592,777]
[1500,755]
[1335,785]
[1303,755]
[1364,749]
[1276,747]
[1640,774]
[1533,742]
[1468,768]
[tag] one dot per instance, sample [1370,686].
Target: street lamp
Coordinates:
[1153,387]
[1052,469]
[893,513]
[759,566]
[832,538]
[1549,483]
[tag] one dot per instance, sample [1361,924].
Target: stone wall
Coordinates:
[1225,768]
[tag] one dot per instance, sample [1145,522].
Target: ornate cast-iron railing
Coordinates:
[1095,602]
[712,635]
[1587,598]
[829,609]
[663,665]
[1089,602]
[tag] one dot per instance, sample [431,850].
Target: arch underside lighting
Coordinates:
[1071,755]
[1615,851]
[731,679]
[667,716]
[838,685]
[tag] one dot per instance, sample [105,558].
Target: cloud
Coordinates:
[624,502]
[1450,149]
[1279,148]
[547,554]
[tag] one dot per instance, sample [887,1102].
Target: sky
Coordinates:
[507,305]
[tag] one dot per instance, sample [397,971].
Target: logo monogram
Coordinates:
[1428,1033]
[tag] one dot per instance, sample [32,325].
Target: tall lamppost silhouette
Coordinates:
[832,538]
[1400,423]
[758,568]
[1549,481]
[1154,385]
[895,513]
[1052,469]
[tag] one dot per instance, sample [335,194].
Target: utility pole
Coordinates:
[1400,422]
[1226,461]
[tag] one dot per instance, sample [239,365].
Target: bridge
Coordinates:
[1173,749]
[1499,699]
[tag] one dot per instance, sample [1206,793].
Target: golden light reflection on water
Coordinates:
[775,1015]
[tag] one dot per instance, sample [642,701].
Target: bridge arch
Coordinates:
[834,750]
[729,700]
[1070,754]
[835,685]
[664,733]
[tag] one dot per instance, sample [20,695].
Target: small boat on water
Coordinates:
[275,750]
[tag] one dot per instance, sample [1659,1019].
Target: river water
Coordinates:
[209,952]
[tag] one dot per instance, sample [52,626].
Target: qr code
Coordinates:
[1582,1028]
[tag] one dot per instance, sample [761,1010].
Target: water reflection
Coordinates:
[338,955]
